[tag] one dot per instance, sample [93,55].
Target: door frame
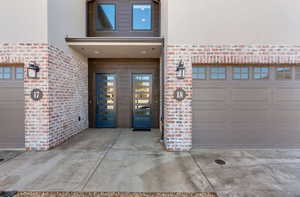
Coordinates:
[151,96]
[94,97]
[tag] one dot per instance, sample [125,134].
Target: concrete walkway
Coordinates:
[126,161]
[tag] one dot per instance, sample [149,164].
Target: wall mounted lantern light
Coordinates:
[180,70]
[32,70]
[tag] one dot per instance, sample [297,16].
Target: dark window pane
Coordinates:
[141,17]
[106,17]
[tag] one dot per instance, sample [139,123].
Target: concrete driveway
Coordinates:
[126,161]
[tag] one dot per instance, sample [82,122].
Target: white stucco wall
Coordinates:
[66,18]
[23,21]
[233,21]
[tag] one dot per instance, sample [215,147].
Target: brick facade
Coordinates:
[68,95]
[63,80]
[63,111]
[178,115]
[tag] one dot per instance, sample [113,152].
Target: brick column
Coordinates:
[178,114]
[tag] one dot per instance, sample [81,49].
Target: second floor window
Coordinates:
[142,17]
[106,17]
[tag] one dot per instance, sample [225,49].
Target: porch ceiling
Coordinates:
[99,47]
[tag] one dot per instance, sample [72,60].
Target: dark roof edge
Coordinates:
[116,39]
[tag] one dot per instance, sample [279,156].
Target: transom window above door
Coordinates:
[106,17]
[142,17]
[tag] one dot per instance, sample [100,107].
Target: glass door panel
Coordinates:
[105,101]
[142,92]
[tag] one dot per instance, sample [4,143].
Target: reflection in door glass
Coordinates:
[142,100]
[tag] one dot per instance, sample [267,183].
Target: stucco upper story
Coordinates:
[182,22]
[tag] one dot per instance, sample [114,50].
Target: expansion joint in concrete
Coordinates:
[99,162]
[202,172]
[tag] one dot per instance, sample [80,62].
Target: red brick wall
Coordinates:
[178,115]
[63,80]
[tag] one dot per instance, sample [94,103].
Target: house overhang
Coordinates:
[103,47]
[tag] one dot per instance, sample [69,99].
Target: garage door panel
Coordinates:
[247,114]
[210,116]
[286,106]
[259,106]
[250,94]
[286,95]
[12,114]
[288,118]
[250,117]
[203,106]
[207,94]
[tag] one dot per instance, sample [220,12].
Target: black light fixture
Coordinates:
[180,70]
[32,70]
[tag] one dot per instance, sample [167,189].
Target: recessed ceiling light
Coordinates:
[96,52]
[144,52]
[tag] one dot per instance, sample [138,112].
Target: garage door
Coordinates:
[11,107]
[246,106]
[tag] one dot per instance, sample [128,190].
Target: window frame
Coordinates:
[132,18]
[11,73]
[15,74]
[210,72]
[284,66]
[205,72]
[261,66]
[240,73]
[116,15]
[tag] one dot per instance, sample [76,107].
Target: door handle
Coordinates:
[145,107]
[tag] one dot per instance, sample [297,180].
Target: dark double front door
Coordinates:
[106,101]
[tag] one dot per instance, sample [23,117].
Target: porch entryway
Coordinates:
[117,139]
[124,93]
